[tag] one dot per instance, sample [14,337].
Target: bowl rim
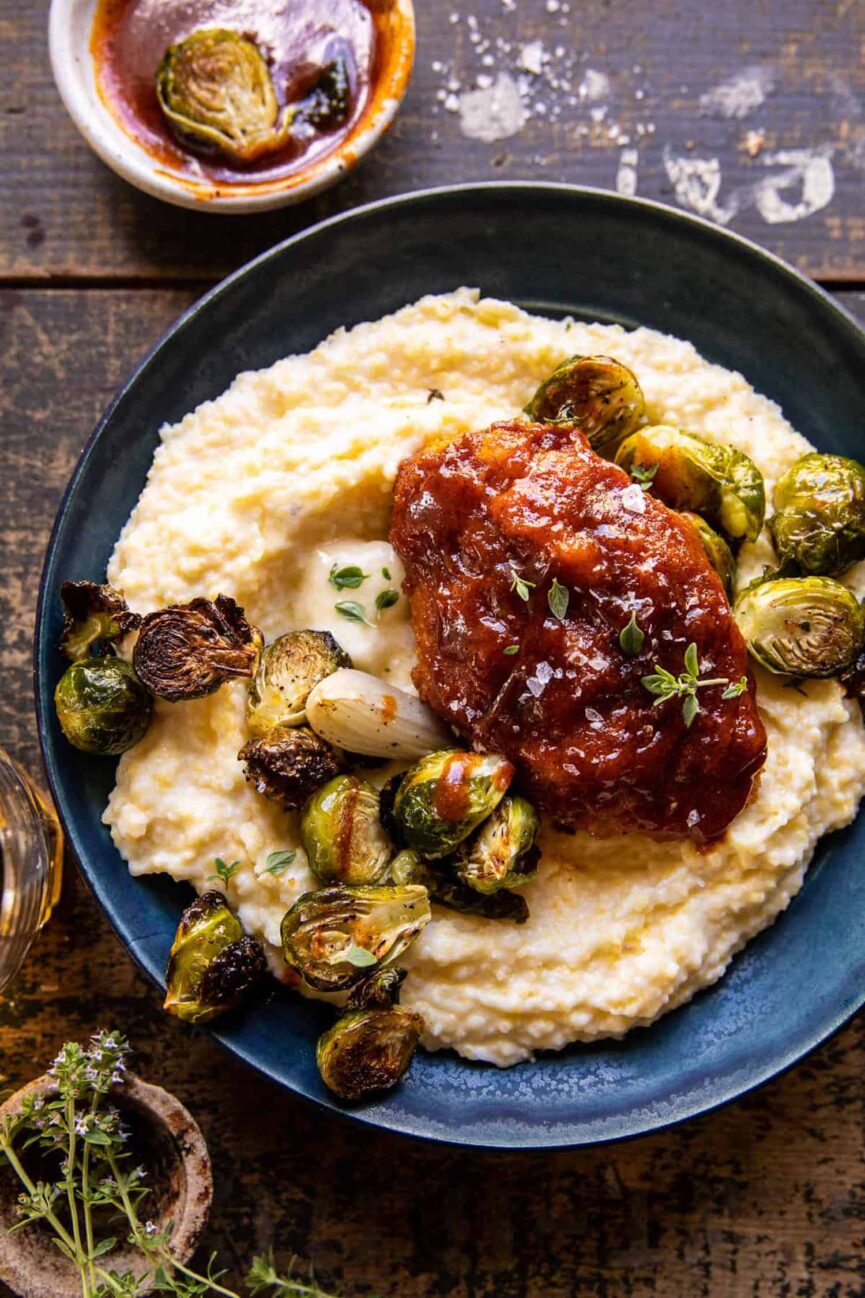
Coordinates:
[725,1093]
[73,72]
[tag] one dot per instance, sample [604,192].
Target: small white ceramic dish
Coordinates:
[69,33]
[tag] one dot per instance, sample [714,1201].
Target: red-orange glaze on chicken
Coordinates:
[568,706]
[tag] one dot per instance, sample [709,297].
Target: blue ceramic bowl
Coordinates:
[551,249]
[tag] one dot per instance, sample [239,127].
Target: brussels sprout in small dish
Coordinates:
[501,853]
[598,394]
[288,764]
[407,867]
[93,615]
[367,1051]
[339,935]
[819,522]
[216,92]
[446,795]
[328,103]
[718,552]
[801,626]
[212,965]
[717,482]
[342,833]
[288,670]
[102,706]
[186,651]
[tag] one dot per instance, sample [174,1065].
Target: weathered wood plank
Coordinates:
[778,152]
[762,1199]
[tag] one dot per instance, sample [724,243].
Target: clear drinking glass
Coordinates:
[31,864]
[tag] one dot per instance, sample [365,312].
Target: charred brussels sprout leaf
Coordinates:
[598,394]
[342,834]
[501,853]
[102,706]
[717,482]
[217,95]
[288,670]
[801,626]
[819,521]
[407,867]
[322,928]
[379,991]
[188,650]
[328,103]
[92,615]
[446,795]
[367,1051]
[211,965]
[718,552]
[288,764]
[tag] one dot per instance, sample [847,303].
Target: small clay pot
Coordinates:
[166,1140]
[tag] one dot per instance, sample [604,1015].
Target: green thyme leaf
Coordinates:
[690,708]
[347,578]
[522,587]
[386,599]
[224,871]
[351,610]
[385,572]
[692,661]
[358,956]
[277,862]
[644,474]
[558,598]
[511,649]
[631,637]
[735,689]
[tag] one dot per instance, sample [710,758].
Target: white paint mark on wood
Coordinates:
[494,113]
[626,176]
[808,172]
[739,94]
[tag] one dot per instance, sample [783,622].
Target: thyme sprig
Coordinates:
[684,686]
[80,1127]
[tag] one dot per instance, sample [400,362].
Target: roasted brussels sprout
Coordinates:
[211,965]
[718,552]
[327,104]
[92,615]
[337,936]
[288,764]
[367,1051]
[446,795]
[801,626]
[407,867]
[216,92]
[721,484]
[378,991]
[599,394]
[287,671]
[342,834]
[102,706]
[819,522]
[501,853]
[188,650]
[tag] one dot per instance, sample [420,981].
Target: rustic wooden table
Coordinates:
[753,115]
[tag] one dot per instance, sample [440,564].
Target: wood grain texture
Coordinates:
[67,216]
[765,1199]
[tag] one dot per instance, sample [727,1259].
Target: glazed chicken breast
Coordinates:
[527,556]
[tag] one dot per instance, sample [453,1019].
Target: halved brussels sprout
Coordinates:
[342,834]
[446,795]
[598,394]
[93,615]
[287,672]
[186,651]
[288,764]
[718,552]
[721,484]
[501,853]
[337,936]
[102,706]
[819,521]
[367,1051]
[407,867]
[801,626]
[327,104]
[212,965]
[216,92]
[378,991]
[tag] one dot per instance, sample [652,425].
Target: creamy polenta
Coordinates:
[259,493]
